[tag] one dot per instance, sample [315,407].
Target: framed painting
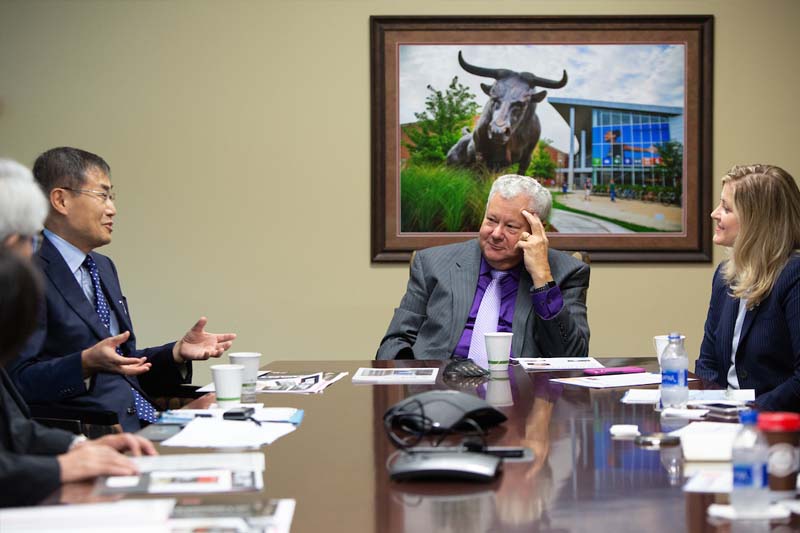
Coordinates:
[612,114]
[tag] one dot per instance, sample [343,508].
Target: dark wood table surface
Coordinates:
[334,465]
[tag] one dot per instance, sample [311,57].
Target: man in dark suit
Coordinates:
[35,460]
[84,353]
[537,293]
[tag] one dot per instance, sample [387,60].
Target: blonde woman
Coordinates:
[752,332]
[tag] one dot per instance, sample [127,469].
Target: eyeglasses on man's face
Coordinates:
[105,196]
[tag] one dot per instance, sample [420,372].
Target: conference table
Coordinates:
[334,464]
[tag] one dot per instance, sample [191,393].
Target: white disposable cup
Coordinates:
[251,362]
[498,392]
[228,384]
[660,343]
[498,348]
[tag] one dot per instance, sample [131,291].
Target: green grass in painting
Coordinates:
[440,198]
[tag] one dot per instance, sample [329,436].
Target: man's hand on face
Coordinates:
[103,357]
[534,245]
[198,344]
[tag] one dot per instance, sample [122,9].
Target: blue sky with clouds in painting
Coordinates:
[630,73]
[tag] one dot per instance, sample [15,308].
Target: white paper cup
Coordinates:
[228,384]
[498,392]
[498,348]
[660,343]
[251,362]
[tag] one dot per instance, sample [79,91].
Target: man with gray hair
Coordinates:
[23,209]
[505,280]
[35,460]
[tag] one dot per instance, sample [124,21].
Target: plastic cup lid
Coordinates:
[779,421]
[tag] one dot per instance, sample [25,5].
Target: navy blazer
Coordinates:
[768,356]
[49,368]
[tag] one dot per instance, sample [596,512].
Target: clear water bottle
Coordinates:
[674,373]
[750,454]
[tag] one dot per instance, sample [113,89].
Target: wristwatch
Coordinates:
[544,288]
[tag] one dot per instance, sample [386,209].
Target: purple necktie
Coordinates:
[144,409]
[486,319]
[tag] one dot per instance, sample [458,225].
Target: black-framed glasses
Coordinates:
[105,196]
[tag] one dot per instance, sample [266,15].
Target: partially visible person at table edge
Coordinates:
[35,460]
[752,331]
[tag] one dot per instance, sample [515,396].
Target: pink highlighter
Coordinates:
[614,370]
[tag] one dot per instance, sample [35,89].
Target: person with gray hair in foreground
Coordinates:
[23,208]
[507,280]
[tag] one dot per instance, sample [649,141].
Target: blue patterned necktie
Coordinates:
[144,409]
[486,320]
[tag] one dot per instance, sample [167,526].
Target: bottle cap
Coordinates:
[779,421]
[748,417]
[674,336]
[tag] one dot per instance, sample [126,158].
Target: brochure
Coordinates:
[396,376]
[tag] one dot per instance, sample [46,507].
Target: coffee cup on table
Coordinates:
[498,350]
[228,384]
[660,343]
[250,361]
[782,431]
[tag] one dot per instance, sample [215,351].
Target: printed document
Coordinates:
[396,376]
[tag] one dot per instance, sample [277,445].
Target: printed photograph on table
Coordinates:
[611,121]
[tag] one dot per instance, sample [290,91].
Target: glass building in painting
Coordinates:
[617,140]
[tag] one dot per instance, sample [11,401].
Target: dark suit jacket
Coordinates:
[441,288]
[29,470]
[768,357]
[49,367]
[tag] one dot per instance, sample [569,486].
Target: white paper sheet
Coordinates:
[201,461]
[262,414]
[695,396]
[614,380]
[707,441]
[217,433]
[558,363]
[125,515]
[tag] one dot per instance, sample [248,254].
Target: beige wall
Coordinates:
[238,134]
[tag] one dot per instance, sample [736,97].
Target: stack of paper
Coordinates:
[396,376]
[551,364]
[214,432]
[191,473]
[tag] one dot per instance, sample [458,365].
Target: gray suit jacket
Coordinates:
[433,312]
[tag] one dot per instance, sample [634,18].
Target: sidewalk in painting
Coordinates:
[651,214]
[566,222]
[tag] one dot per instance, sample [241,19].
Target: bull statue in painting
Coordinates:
[508,129]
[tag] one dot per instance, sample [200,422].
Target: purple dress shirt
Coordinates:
[546,304]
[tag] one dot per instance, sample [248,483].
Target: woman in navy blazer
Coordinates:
[752,332]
